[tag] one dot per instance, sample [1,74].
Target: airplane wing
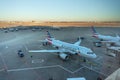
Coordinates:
[78,42]
[50,51]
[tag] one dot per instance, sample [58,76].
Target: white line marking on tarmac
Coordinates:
[100,57]
[38,61]
[78,70]
[26,47]
[72,72]
[5,65]
[95,70]
[31,68]
[65,69]
[69,70]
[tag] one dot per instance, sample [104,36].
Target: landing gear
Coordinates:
[44,43]
[84,60]
[57,47]
[20,53]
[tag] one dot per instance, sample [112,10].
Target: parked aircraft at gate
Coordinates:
[63,48]
[111,42]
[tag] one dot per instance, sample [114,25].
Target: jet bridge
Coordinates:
[112,51]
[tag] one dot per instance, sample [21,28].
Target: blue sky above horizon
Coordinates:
[60,10]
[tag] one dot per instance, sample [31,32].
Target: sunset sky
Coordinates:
[60,10]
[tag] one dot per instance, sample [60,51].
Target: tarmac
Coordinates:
[43,66]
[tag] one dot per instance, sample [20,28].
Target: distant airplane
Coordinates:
[106,39]
[112,43]
[63,48]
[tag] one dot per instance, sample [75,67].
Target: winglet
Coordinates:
[78,42]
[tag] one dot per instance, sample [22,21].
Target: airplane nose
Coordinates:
[94,56]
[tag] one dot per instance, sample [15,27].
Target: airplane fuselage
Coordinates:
[63,48]
[72,48]
[115,40]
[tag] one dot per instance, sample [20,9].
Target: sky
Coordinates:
[60,10]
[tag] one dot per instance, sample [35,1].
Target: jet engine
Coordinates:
[63,56]
[56,47]
[46,43]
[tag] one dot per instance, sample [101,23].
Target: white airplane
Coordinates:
[106,39]
[63,48]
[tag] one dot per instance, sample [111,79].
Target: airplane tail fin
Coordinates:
[117,36]
[48,35]
[93,30]
[95,33]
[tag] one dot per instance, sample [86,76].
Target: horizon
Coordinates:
[62,10]
[50,21]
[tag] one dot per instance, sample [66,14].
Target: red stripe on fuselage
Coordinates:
[96,36]
[49,41]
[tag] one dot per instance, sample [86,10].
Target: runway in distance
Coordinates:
[63,48]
